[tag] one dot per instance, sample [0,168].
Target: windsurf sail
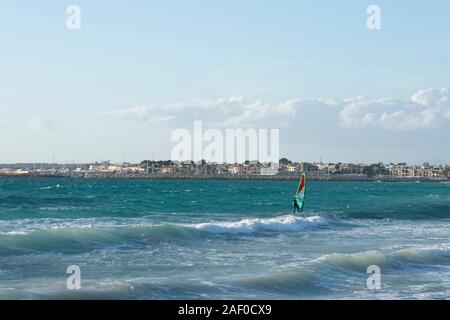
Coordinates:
[300,193]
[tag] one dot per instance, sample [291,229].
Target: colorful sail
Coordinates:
[300,194]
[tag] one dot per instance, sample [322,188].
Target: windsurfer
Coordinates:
[296,207]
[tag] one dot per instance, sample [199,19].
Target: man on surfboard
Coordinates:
[299,197]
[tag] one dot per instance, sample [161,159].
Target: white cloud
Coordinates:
[136,113]
[432,97]
[174,110]
[39,125]
[447,114]
[427,108]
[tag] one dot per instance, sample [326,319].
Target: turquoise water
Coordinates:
[146,239]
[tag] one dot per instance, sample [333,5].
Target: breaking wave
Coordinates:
[288,223]
[437,254]
[358,261]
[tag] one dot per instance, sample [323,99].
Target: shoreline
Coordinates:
[278,177]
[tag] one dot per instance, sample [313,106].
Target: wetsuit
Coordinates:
[296,207]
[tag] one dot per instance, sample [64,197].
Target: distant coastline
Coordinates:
[249,170]
[277,177]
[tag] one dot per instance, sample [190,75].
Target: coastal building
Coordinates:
[404,171]
[235,169]
[308,167]
[167,170]
[430,171]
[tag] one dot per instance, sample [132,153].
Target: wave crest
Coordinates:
[288,223]
[437,254]
[357,261]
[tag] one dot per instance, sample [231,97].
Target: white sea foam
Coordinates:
[287,223]
[26,226]
[46,188]
[13,233]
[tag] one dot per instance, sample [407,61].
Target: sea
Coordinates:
[222,239]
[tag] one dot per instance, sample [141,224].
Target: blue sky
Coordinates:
[85,95]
